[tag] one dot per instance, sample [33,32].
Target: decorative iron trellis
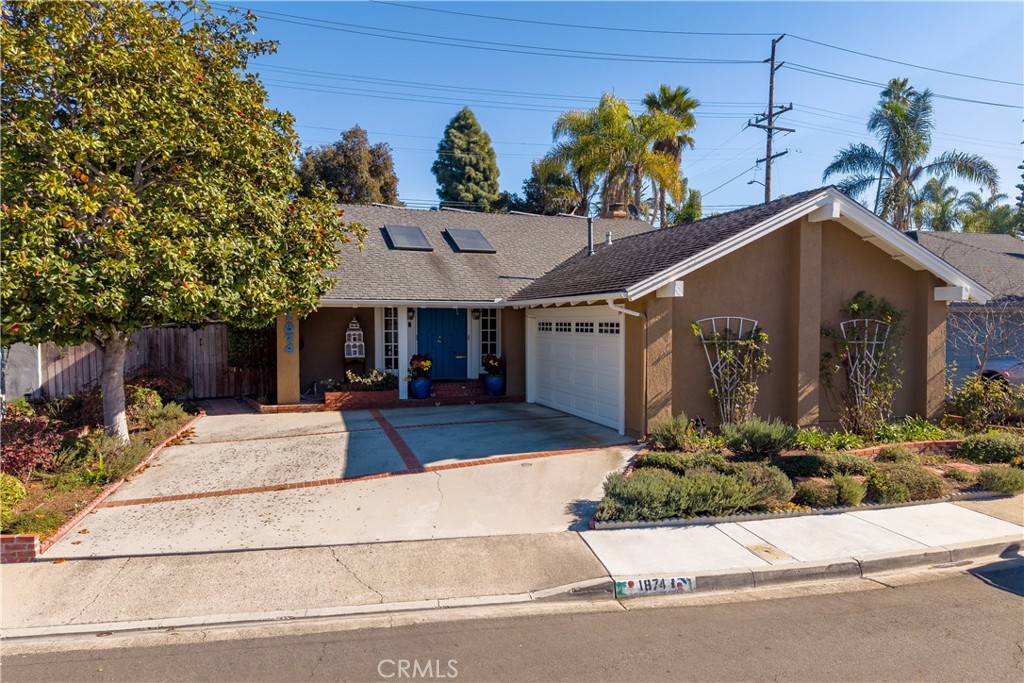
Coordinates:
[864,341]
[728,370]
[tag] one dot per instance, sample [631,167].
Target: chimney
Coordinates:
[590,236]
[608,239]
[618,212]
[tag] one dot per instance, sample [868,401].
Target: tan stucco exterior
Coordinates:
[287,344]
[512,326]
[323,343]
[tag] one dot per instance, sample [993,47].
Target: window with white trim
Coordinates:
[488,331]
[585,328]
[608,328]
[544,327]
[563,326]
[391,329]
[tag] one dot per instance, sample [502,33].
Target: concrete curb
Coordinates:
[860,567]
[580,590]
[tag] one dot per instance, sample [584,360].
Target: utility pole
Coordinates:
[766,122]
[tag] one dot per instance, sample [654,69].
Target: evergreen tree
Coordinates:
[548,191]
[353,169]
[466,168]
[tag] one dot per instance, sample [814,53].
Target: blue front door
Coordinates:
[441,333]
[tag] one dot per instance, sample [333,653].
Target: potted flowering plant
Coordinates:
[494,380]
[419,375]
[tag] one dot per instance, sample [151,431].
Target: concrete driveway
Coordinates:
[246,480]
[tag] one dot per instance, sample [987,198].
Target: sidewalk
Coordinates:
[145,592]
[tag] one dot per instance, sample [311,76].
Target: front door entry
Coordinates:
[442,334]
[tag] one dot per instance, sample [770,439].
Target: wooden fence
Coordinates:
[200,354]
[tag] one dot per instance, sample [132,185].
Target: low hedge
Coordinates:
[758,439]
[825,465]
[992,447]
[1002,479]
[903,483]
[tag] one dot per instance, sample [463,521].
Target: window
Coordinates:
[488,331]
[391,330]
[608,328]
[544,327]
[585,328]
[470,241]
[563,327]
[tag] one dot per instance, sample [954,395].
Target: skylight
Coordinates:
[470,241]
[406,238]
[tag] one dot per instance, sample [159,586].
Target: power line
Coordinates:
[735,177]
[863,81]
[897,61]
[618,29]
[485,45]
[577,26]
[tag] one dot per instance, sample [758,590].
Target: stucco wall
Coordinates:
[790,281]
[513,347]
[323,343]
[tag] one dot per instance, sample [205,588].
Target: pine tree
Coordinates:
[466,168]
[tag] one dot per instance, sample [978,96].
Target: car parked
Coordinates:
[1007,369]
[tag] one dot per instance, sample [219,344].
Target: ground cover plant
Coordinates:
[55,458]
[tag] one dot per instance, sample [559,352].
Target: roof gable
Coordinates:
[995,261]
[638,265]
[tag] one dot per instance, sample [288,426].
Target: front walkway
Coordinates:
[245,480]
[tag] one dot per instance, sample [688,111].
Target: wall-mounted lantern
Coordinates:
[411,314]
[476,314]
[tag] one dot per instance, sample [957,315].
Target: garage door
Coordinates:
[577,363]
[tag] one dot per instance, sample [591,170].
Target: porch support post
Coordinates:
[929,349]
[806,325]
[288,359]
[660,364]
[403,352]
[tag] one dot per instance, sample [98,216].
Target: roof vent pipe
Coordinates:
[590,235]
[608,239]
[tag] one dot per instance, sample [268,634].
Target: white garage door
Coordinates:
[576,363]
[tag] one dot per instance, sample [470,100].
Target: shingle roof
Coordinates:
[633,259]
[994,261]
[527,247]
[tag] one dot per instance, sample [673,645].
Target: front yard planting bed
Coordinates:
[747,475]
[57,464]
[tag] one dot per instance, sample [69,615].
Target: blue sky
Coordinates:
[517,97]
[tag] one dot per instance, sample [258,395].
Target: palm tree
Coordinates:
[896,96]
[939,206]
[989,215]
[576,153]
[677,103]
[906,132]
[687,211]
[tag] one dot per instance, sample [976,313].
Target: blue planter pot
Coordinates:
[494,384]
[420,387]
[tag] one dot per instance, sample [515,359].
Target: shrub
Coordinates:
[908,429]
[12,492]
[138,401]
[984,402]
[29,442]
[165,417]
[645,494]
[814,439]
[825,465]
[113,459]
[43,522]
[675,434]
[845,463]
[1002,479]
[69,457]
[758,439]
[815,494]
[18,407]
[959,475]
[919,483]
[713,494]
[167,383]
[681,463]
[772,488]
[882,488]
[848,490]
[898,454]
[992,447]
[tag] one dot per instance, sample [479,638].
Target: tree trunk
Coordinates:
[115,421]
[638,190]
[662,207]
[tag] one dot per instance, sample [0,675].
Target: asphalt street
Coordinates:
[966,627]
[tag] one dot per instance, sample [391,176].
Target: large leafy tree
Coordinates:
[990,215]
[904,124]
[146,181]
[677,103]
[356,171]
[466,167]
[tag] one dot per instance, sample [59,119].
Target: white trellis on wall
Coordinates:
[864,341]
[727,369]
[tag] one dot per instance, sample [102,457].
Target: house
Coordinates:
[997,328]
[607,336]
